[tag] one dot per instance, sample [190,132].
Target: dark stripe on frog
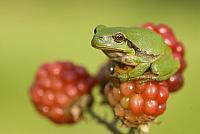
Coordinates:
[138,50]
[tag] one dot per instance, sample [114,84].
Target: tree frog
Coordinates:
[141,48]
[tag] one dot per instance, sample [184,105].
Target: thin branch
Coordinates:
[131,130]
[114,121]
[110,126]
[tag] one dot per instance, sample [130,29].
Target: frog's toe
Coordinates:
[123,77]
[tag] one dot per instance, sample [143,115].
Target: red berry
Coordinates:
[69,77]
[151,107]
[112,99]
[44,82]
[55,69]
[179,49]
[37,94]
[139,87]
[71,90]
[151,92]
[57,114]
[57,84]
[62,100]
[162,83]
[175,82]
[108,87]
[136,104]
[161,109]
[149,25]
[127,88]
[117,94]
[162,95]
[57,88]
[48,98]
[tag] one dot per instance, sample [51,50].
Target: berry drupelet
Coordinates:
[60,91]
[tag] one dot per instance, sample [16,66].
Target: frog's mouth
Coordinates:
[105,48]
[114,54]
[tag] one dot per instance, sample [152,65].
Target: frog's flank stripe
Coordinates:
[138,50]
[131,45]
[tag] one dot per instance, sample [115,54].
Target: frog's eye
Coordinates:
[119,37]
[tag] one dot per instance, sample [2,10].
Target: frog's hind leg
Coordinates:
[164,67]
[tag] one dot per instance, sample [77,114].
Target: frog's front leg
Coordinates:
[135,72]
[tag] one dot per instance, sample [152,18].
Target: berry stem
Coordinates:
[141,129]
[110,126]
[114,121]
[131,130]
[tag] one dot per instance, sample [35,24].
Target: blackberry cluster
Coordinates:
[60,91]
[135,103]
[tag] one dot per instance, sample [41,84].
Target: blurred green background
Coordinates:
[37,31]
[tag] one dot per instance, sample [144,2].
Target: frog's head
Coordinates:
[112,41]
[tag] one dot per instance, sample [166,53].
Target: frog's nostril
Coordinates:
[101,37]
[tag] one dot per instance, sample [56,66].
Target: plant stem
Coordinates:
[131,130]
[110,126]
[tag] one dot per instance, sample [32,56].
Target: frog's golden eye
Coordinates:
[119,37]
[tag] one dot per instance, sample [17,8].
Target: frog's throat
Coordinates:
[105,48]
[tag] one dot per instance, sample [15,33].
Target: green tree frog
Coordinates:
[141,48]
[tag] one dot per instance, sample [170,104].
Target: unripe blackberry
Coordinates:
[60,91]
[175,82]
[135,103]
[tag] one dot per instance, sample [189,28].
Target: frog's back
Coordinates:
[146,40]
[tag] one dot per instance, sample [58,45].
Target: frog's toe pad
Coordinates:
[123,77]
